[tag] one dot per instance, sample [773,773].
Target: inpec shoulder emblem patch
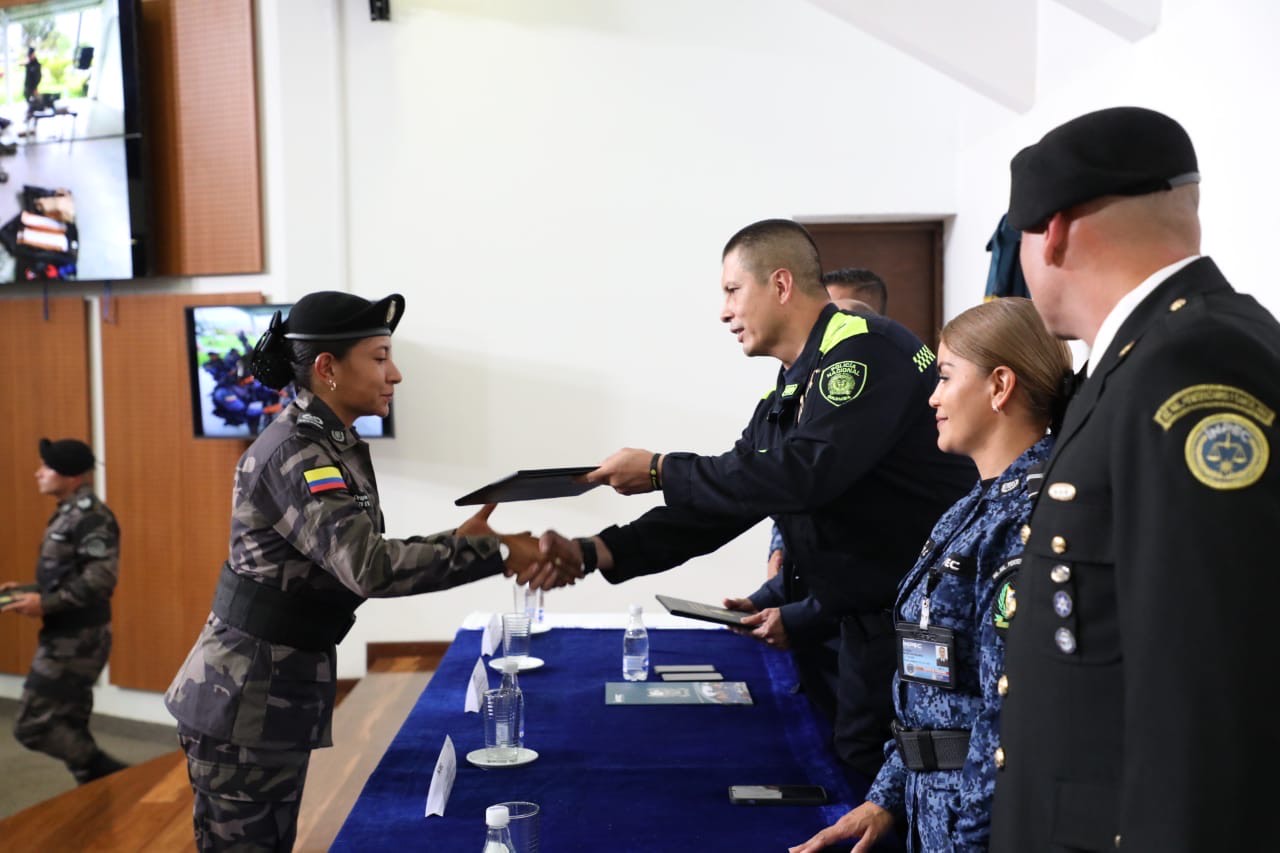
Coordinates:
[1005,606]
[842,381]
[1226,451]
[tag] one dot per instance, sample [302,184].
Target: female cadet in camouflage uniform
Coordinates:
[256,693]
[1000,381]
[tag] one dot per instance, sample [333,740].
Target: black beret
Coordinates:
[1117,151]
[332,315]
[68,457]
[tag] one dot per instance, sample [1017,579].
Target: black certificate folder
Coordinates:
[531,485]
[697,610]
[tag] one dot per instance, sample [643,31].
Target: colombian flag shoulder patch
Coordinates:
[325,479]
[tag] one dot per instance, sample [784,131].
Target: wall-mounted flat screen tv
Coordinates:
[226,400]
[72,184]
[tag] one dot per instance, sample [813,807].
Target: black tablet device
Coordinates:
[531,485]
[705,612]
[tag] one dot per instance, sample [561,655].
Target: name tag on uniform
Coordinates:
[926,655]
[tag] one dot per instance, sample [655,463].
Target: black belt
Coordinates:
[73,620]
[303,622]
[931,749]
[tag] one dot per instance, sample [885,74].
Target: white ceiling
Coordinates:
[989,46]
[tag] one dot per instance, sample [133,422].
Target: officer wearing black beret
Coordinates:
[256,693]
[68,457]
[1137,678]
[75,577]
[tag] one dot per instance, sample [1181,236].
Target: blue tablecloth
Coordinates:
[651,778]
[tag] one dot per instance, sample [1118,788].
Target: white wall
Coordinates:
[550,185]
[1212,65]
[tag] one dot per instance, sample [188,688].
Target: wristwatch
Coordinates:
[590,559]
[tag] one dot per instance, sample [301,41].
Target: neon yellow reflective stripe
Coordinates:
[768,394]
[840,327]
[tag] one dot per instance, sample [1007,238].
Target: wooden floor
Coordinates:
[148,806]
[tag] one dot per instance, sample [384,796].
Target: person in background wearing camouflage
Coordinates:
[1001,384]
[256,693]
[76,574]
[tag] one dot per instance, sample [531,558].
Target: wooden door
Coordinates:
[46,362]
[907,255]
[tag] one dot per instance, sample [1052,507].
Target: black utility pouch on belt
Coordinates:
[931,749]
[303,622]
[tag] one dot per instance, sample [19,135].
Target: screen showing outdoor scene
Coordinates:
[72,205]
[227,401]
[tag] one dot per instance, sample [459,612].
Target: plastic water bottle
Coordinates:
[635,647]
[498,839]
[510,667]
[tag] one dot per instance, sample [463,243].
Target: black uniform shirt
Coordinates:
[844,456]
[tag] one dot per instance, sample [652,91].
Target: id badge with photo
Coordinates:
[927,655]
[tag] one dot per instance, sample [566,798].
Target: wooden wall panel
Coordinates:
[201,111]
[46,391]
[170,491]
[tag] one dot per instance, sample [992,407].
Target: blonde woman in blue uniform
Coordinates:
[1000,387]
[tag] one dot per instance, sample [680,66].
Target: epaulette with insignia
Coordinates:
[307,419]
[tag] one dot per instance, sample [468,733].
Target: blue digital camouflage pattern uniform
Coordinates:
[306,519]
[76,574]
[975,545]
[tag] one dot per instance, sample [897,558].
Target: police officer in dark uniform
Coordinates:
[841,453]
[75,577]
[782,612]
[1138,687]
[256,693]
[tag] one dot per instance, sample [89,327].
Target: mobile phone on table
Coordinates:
[777,795]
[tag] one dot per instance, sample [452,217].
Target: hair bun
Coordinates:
[1068,385]
[270,362]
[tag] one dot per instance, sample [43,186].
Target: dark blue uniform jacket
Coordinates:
[842,453]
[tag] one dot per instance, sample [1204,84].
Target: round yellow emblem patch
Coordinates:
[1227,451]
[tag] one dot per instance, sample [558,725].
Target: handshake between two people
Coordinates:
[545,562]
[553,560]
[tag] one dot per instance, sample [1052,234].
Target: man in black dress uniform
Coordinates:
[1137,689]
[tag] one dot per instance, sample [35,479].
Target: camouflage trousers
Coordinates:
[57,697]
[245,799]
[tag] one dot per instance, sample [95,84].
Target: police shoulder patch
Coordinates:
[843,381]
[1226,451]
[95,547]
